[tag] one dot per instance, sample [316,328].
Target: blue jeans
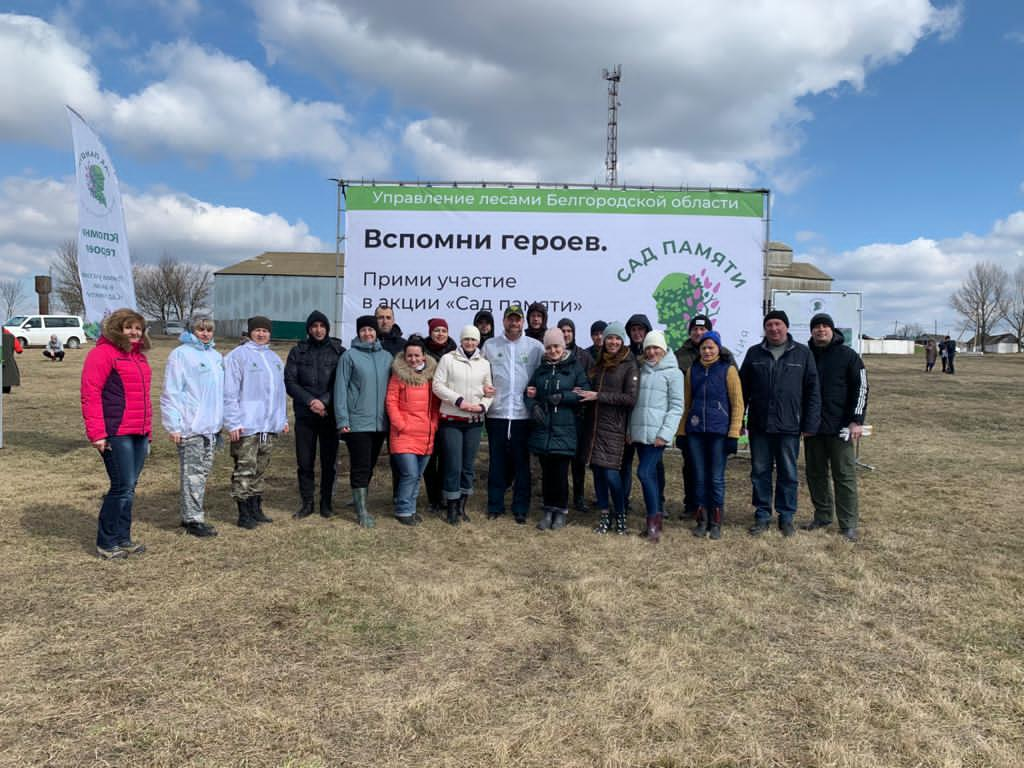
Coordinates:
[409,468]
[627,474]
[608,488]
[706,454]
[460,441]
[509,458]
[647,474]
[123,460]
[780,451]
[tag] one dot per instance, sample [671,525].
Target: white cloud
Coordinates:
[719,82]
[36,215]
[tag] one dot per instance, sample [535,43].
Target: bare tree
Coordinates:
[67,283]
[1015,307]
[909,330]
[171,289]
[982,299]
[12,292]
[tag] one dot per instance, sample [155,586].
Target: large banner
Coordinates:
[104,266]
[845,308]
[587,254]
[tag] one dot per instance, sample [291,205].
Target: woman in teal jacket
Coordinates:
[360,389]
[552,399]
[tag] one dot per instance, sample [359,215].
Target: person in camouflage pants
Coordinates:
[251,455]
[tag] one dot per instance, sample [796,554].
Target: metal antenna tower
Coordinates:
[611,158]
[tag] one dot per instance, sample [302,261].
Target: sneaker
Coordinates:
[787,529]
[850,534]
[114,553]
[814,525]
[132,547]
[758,528]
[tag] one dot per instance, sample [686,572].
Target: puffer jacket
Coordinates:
[360,387]
[555,409]
[192,402]
[687,355]
[115,391]
[714,400]
[412,408]
[616,380]
[659,402]
[254,398]
[309,375]
[843,382]
[461,377]
[782,396]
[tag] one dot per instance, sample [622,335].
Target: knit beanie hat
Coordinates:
[823,319]
[554,336]
[776,314]
[259,321]
[615,328]
[699,320]
[655,339]
[366,321]
[713,336]
[470,332]
[598,326]
[316,316]
[436,322]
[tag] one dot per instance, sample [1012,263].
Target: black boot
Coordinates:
[257,510]
[579,503]
[326,507]
[604,522]
[454,516]
[715,531]
[622,523]
[462,508]
[305,510]
[245,514]
[702,523]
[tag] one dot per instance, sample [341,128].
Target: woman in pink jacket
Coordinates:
[412,410]
[118,418]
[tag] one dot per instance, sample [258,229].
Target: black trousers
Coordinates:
[554,479]
[308,434]
[363,452]
[433,475]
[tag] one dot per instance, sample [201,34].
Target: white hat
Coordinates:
[655,339]
[470,332]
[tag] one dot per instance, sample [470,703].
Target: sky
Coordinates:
[890,133]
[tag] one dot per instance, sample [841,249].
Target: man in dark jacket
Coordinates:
[950,355]
[844,399]
[536,321]
[579,466]
[780,388]
[309,380]
[389,334]
[686,355]
[597,337]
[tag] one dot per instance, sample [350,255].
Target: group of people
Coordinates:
[946,349]
[620,401]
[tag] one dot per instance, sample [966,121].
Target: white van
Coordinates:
[35,330]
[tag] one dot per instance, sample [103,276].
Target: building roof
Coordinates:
[286,263]
[798,270]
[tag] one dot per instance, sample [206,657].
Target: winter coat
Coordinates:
[192,401]
[412,408]
[463,378]
[782,396]
[659,402]
[392,342]
[115,391]
[714,400]
[512,365]
[484,314]
[536,333]
[254,397]
[637,348]
[689,353]
[616,381]
[11,346]
[360,387]
[437,354]
[309,375]
[555,409]
[930,353]
[843,383]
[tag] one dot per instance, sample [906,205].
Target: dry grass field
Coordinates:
[316,643]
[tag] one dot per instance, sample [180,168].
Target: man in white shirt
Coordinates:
[513,357]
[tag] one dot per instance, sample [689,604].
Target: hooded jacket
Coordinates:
[484,314]
[538,333]
[555,409]
[616,380]
[583,355]
[659,402]
[512,365]
[310,370]
[360,387]
[782,396]
[462,377]
[843,383]
[192,401]
[254,397]
[115,390]
[637,347]
[412,408]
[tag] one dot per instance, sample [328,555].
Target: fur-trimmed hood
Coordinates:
[401,369]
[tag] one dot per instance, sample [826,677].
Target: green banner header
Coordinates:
[527,200]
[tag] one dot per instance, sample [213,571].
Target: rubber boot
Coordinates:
[462,508]
[454,516]
[622,523]
[244,515]
[701,528]
[362,515]
[716,523]
[257,510]
[546,519]
[560,518]
[604,522]
[654,528]
[305,510]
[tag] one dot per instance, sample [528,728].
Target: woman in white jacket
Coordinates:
[192,411]
[463,384]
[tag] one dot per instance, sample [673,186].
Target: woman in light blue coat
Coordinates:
[654,421]
[192,412]
[360,413]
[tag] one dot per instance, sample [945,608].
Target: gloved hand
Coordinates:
[732,444]
[681,443]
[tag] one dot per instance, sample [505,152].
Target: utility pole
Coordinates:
[611,158]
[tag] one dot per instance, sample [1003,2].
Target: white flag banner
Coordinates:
[104,266]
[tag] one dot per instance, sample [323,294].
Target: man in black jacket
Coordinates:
[844,399]
[780,388]
[309,380]
[389,334]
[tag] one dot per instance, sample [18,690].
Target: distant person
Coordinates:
[192,412]
[389,334]
[638,326]
[484,322]
[255,413]
[309,380]
[950,355]
[944,353]
[597,329]
[930,354]
[438,344]
[536,321]
[11,374]
[844,400]
[780,389]
[118,417]
[54,350]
